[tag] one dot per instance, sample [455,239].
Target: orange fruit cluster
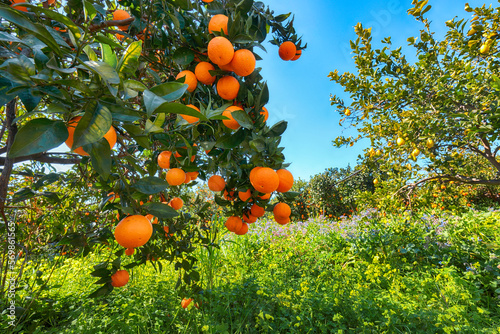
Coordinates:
[264,181]
[288,51]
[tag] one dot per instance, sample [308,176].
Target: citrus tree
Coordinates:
[149,98]
[431,116]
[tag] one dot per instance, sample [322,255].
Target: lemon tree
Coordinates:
[434,117]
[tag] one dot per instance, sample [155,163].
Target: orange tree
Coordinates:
[151,78]
[434,118]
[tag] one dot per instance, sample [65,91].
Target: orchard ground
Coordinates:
[427,272]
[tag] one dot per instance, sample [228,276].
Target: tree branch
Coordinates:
[10,115]
[42,157]
[112,23]
[458,178]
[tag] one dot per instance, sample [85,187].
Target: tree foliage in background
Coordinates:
[435,118]
[332,193]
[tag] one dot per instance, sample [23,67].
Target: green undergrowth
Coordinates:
[370,273]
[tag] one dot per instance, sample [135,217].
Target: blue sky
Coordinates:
[300,90]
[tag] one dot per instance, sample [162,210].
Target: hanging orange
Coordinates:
[231,122]
[133,231]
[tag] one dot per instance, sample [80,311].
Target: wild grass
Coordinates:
[370,273]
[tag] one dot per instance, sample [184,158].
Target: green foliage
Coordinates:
[413,272]
[332,193]
[443,105]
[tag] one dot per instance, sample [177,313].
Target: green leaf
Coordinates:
[170,91]
[242,118]
[183,56]
[19,69]
[152,102]
[231,141]
[160,210]
[263,97]
[38,135]
[104,70]
[131,88]
[102,291]
[20,20]
[129,62]
[59,18]
[90,53]
[108,41]
[29,100]
[23,195]
[258,145]
[282,17]
[150,127]
[277,129]
[150,185]
[100,155]
[92,126]
[5,37]
[101,272]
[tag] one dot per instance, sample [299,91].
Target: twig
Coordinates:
[105,24]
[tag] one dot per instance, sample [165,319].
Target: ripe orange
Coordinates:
[191,119]
[114,196]
[216,183]
[226,67]
[166,229]
[228,87]
[282,210]
[245,195]
[297,55]
[249,218]
[202,73]
[282,221]
[231,122]
[242,230]
[257,211]
[220,50]
[243,62]
[192,175]
[133,231]
[120,278]
[176,203]
[207,1]
[176,176]
[189,79]
[164,159]
[265,196]
[286,180]
[264,180]
[73,123]
[265,113]
[229,195]
[287,50]
[150,218]
[185,302]
[129,251]
[233,223]
[119,15]
[21,8]
[217,23]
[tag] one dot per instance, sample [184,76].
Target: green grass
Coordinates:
[366,274]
